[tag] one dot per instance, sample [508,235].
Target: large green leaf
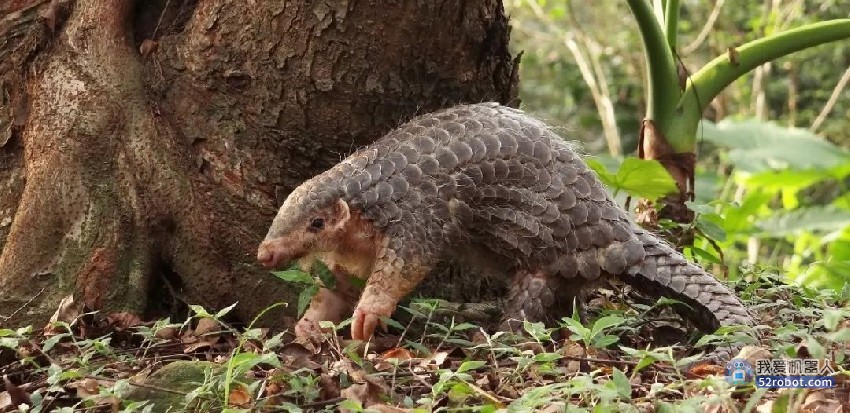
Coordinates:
[638,177]
[757,146]
[786,179]
[820,218]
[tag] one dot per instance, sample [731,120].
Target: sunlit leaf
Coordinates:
[703,254]
[710,229]
[840,336]
[624,387]
[294,276]
[638,177]
[305,297]
[606,322]
[471,365]
[757,146]
[785,179]
[819,218]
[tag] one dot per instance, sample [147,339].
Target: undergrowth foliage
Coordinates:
[627,357]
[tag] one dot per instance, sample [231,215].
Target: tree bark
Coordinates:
[150,143]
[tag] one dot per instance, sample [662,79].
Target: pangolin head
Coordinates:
[310,220]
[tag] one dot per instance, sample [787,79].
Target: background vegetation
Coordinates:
[773,165]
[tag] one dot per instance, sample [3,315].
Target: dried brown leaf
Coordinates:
[207,328]
[123,320]
[328,387]
[17,395]
[705,368]
[67,312]
[821,402]
[85,387]
[167,333]
[239,397]
[367,393]
[396,353]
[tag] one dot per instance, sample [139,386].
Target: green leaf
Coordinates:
[224,311]
[816,349]
[536,330]
[700,208]
[701,253]
[325,275]
[785,179]
[645,361]
[470,365]
[53,341]
[606,322]
[349,404]
[710,229]
[305,297]
[758,146]
[644,177]
[295,276]
[601,171]
[624,387]
[547,357]
[831,318]
[638,177]
[392,323]
[357,282]
[605,341]
[575,326]
[464,326]
[840,336]
[200,311]
[817,218]
[665,301]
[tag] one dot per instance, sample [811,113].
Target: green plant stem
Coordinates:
[658,7]
[663,86]
[671,22]
[718,74]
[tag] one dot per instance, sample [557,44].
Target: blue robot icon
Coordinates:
[738,372]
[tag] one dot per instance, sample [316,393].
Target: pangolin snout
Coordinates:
[267,256]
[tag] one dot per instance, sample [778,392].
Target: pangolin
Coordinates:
[483,184]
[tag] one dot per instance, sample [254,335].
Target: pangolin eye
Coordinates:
[317,223]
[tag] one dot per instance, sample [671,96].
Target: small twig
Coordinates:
[158,22]
[833,98]
[14,313]
[706,29]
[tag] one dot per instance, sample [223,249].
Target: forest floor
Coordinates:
[620,361]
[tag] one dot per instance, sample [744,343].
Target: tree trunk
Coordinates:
[149,144]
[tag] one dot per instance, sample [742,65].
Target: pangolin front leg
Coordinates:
[392,279]
[328,305]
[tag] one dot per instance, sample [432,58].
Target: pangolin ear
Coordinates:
[341,213]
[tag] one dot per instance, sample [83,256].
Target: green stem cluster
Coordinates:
[677,113]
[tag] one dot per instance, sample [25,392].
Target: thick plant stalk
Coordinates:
[663,81]
[709,81]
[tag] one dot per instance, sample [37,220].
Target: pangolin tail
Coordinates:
[665,272]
